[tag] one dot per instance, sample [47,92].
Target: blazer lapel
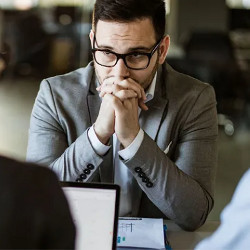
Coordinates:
[150,120]
[94,101]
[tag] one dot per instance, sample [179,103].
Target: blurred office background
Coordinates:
[210,40]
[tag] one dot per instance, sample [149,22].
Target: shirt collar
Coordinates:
[151,89]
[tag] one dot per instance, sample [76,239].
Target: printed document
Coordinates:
[143,233]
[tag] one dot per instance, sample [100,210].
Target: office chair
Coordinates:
[209,56]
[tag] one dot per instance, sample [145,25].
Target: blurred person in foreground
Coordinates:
[34,211]
[131,119]
[234,230]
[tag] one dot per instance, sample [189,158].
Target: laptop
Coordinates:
[94,208]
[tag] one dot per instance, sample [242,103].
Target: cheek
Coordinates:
[102,72]
[144,74]
[140,76]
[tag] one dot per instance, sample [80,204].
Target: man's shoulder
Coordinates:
[74,79]
[178,78]
[178,83]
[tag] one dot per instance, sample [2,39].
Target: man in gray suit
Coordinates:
[34,213]
[129,118]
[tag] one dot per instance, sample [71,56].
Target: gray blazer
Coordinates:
[178,154]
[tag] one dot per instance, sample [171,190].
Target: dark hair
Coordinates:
[130,10]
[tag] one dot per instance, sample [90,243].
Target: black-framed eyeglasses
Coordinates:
[133,60]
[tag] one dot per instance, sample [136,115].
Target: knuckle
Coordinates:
[115,101]
[122,92]
[107,96]
[116,88]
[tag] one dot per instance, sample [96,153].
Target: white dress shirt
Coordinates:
[123,177]
[234,231]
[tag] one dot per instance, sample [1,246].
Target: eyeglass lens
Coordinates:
[109,59]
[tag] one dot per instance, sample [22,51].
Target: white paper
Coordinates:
[141,233]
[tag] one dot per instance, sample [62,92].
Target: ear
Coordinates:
[164,49]
[91,37]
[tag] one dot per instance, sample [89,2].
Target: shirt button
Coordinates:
[78,180]
[149,184]
[145,179]
[138,170]
[90,166]
[86,171]
[83,176]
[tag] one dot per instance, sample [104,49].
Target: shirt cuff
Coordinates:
[131,150]
[100,148]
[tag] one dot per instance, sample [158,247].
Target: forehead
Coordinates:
[138,32]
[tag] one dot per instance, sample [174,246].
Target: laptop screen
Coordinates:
[94,208]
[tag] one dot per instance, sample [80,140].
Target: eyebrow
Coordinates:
[129,50]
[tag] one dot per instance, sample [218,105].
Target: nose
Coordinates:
[120,69]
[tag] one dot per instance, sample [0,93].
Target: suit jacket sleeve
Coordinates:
[49,139]
[183,186]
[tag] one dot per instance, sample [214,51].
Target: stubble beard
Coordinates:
[149,80]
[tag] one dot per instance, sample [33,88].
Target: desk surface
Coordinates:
[180,239]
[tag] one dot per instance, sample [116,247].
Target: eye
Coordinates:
[136,55]
[106,52]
